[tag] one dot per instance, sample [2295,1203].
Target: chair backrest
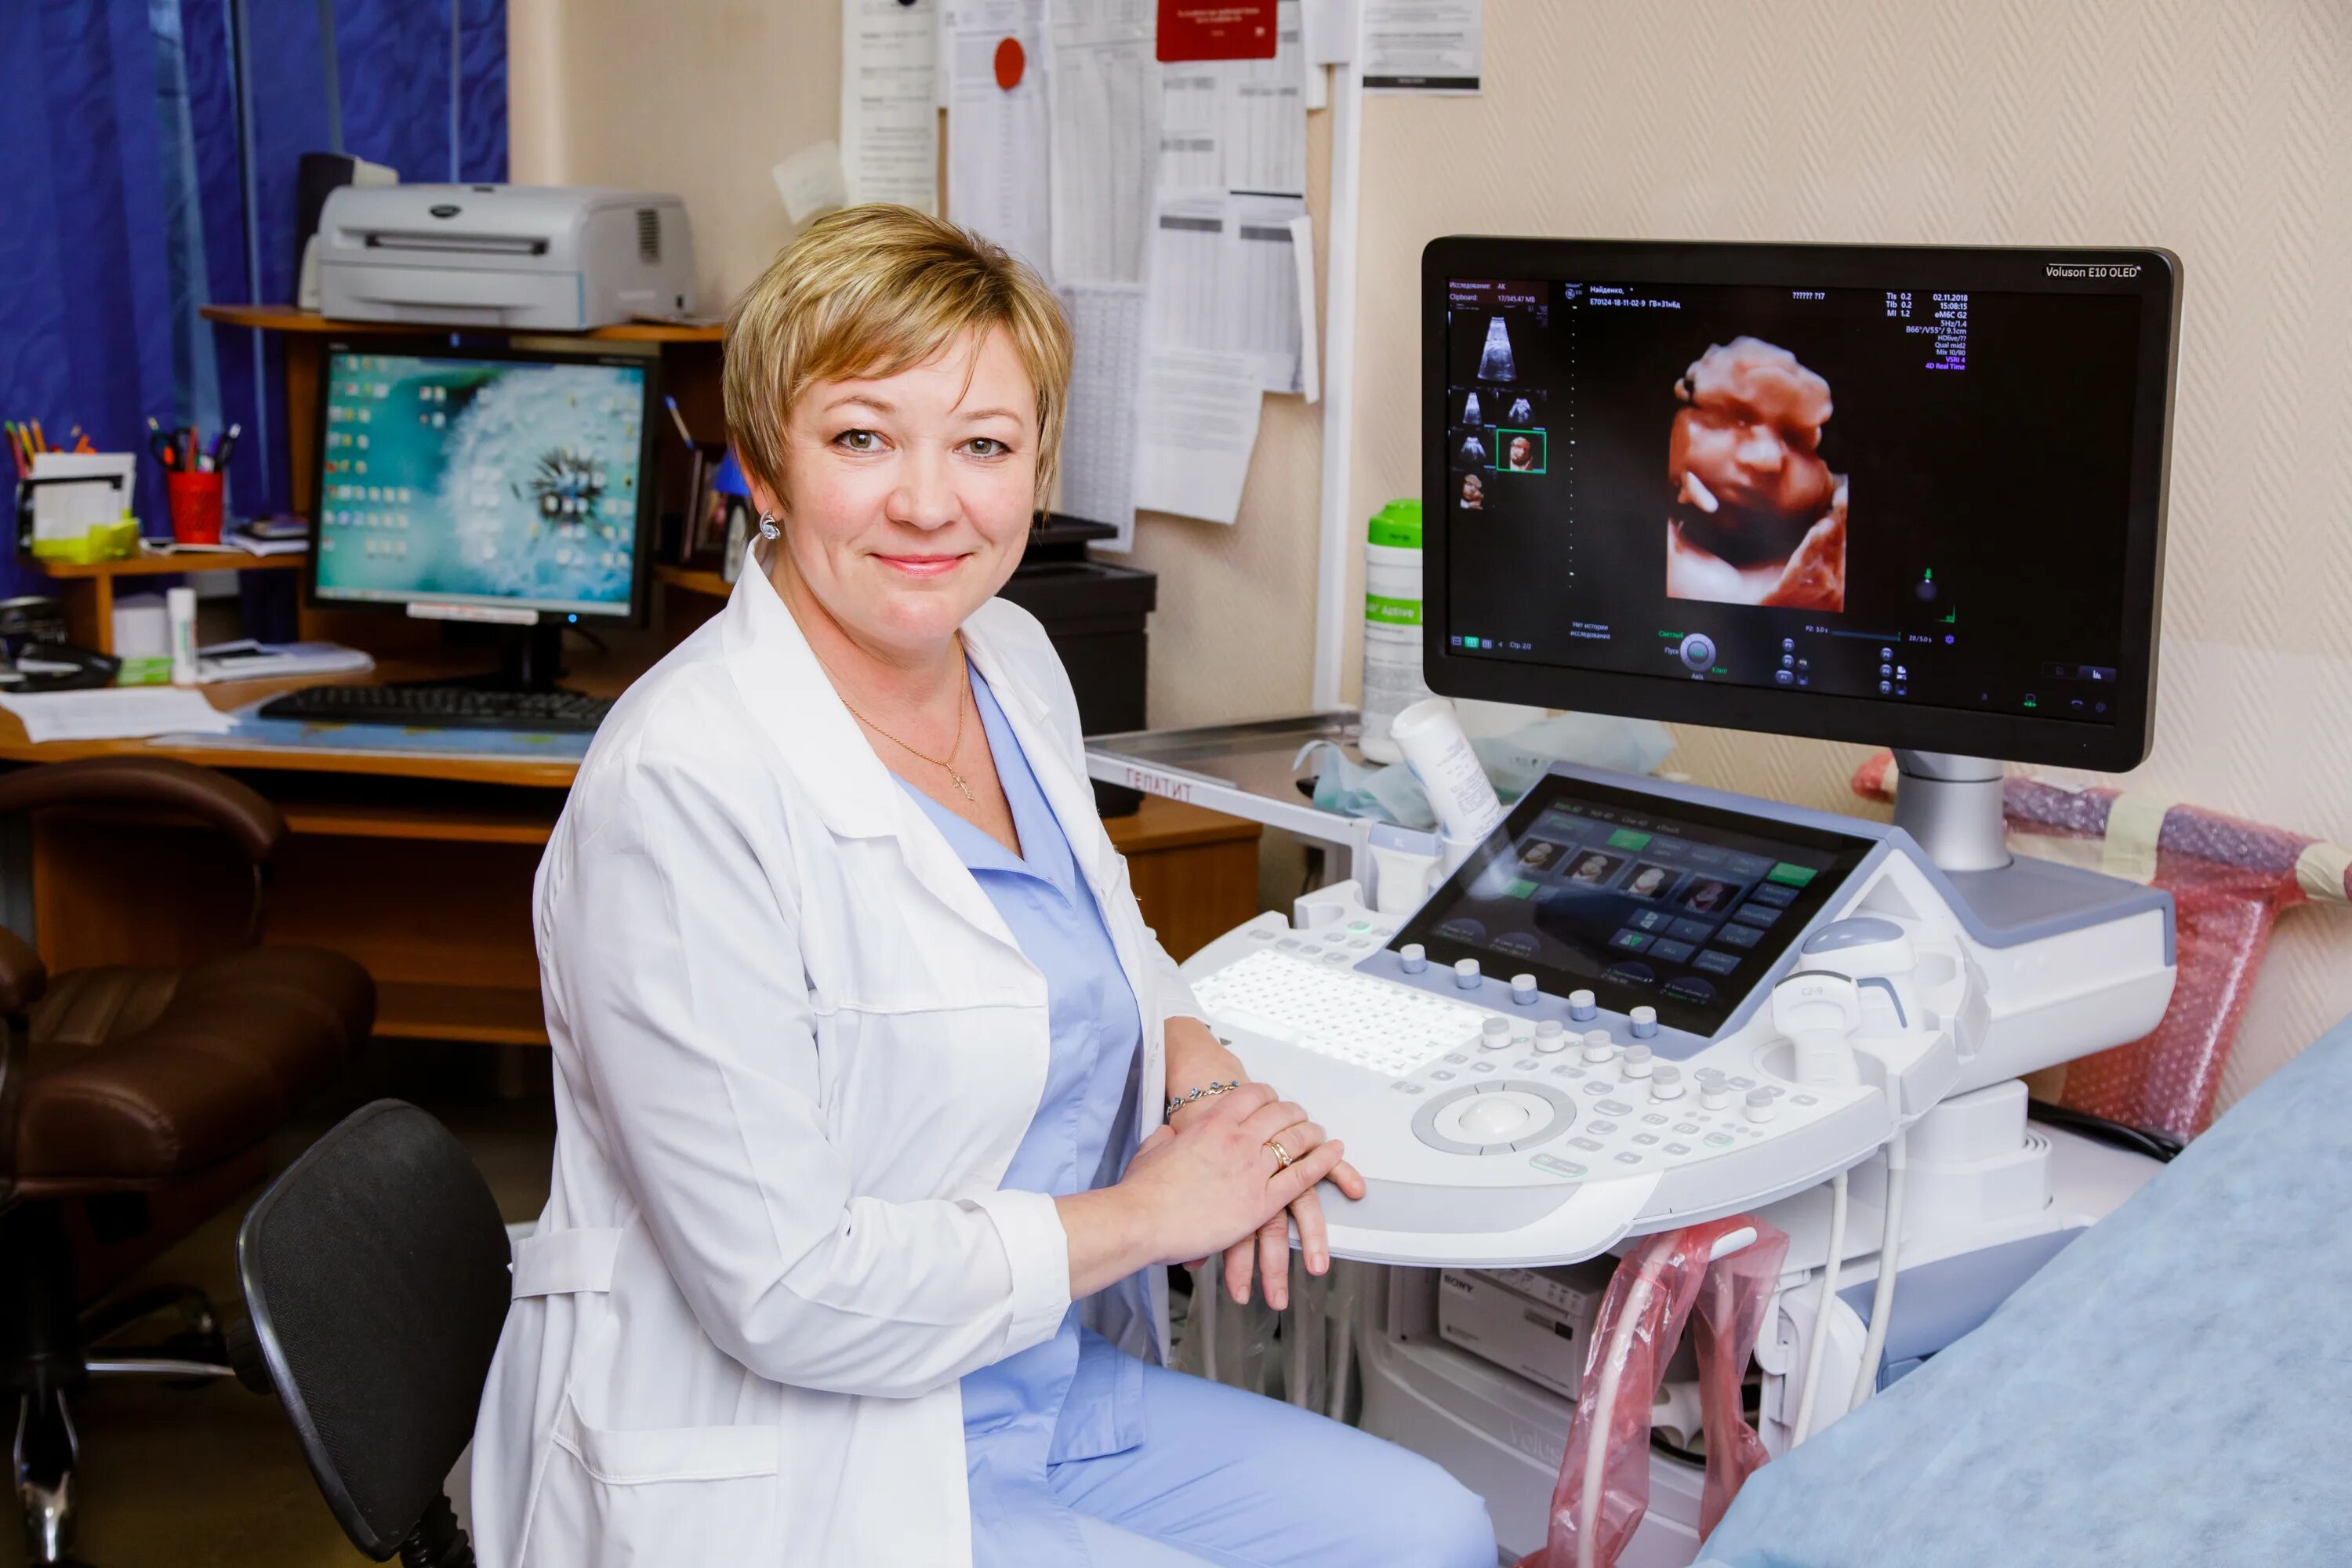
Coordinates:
[376,1271]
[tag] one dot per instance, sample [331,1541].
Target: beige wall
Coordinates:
[2221,130]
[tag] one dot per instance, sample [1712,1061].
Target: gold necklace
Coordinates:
[948,761]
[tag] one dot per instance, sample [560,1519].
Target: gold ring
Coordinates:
[1279,1152]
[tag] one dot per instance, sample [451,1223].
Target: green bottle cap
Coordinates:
[1397,525]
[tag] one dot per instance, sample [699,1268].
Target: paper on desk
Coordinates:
[999,146]
[1200,422]
[1105,126]
[1100,428]
[115,713]
[1237,125]
[1225,278]
[889,102]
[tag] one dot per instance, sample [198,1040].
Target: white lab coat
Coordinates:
[796,1047]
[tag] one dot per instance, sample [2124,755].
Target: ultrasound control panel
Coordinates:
[1640,1005]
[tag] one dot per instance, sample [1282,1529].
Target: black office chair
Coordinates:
[375,1272]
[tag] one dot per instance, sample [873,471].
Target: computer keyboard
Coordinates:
[1388,1028]
[442,707]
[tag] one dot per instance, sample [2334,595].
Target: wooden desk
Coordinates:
[420,867]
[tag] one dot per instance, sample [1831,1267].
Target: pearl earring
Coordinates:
[767,528]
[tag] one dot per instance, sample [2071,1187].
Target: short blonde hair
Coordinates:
[872,291]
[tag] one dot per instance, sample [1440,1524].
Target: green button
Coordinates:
[1626,838]
[1520,888]
[1359,925]
[1794,875]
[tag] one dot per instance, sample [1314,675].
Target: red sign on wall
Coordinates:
[1216,30]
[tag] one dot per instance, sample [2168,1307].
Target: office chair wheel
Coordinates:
[45,1450]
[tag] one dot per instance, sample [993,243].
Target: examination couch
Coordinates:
[2170,1389]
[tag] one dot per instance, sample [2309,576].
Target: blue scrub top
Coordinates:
[1074,1396]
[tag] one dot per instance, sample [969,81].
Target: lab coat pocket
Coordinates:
[688,1494]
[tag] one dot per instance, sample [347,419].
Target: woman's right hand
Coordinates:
[1200,1189]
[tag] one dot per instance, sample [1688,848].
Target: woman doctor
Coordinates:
[862,1187]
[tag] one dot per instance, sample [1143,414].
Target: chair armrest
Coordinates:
[22,976]
[256,826]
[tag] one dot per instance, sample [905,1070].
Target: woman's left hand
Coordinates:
[1195,1057]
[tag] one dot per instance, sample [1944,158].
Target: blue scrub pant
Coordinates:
[1235,1480]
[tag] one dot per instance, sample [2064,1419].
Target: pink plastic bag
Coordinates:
[2230,881]
[1604,1478]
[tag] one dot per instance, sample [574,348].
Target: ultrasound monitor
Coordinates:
[1910,497]
[476,485]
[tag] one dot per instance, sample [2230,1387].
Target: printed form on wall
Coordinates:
[999,138]
[1423,45]
[889,102]
[1106,124]
[1102,426]
[1225,270]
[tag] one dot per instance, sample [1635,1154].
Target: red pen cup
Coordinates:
[196,506]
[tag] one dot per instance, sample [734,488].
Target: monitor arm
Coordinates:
[1951,808]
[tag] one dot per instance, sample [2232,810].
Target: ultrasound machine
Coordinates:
[1904,496]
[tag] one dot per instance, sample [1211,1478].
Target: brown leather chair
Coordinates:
[119,1081]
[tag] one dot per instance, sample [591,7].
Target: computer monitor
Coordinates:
[483,485]
[1905,496]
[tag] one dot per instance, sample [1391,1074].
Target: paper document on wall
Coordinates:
[999,146]
[1106,119]
[1423,45]
[1200,422]
[1224,280]
[889,102]
[1237,125]
[116,713]
[811,181]
[1101,426]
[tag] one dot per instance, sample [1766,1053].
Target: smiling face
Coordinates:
[907,496]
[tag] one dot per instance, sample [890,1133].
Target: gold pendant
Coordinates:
[961,785]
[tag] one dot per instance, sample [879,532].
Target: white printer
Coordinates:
[558,258]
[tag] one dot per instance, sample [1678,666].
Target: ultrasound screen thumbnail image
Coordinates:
[1877,492]
[481,481]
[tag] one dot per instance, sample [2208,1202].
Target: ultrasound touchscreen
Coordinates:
[1644,903]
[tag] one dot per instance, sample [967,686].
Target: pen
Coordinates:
[40,442]
[225,445]
[680,420]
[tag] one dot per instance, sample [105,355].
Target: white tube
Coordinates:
[1882,1300]
[1813,1351]
[1340,526]
[180,612]
[1448,770]
[1613,1373]
[1604,1405]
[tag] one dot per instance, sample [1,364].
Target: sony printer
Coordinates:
[556,257]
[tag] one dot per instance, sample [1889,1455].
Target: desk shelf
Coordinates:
[286,319]
[483,1015]
[153,565]
[694,580]
[87,586]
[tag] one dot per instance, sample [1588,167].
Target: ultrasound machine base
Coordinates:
[1585,1142]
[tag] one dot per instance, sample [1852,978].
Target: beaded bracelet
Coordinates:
[1178,1102]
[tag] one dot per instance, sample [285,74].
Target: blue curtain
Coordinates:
[153,146]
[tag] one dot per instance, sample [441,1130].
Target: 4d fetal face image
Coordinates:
[1756,516]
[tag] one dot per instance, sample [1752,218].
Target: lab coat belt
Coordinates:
[565,1262]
